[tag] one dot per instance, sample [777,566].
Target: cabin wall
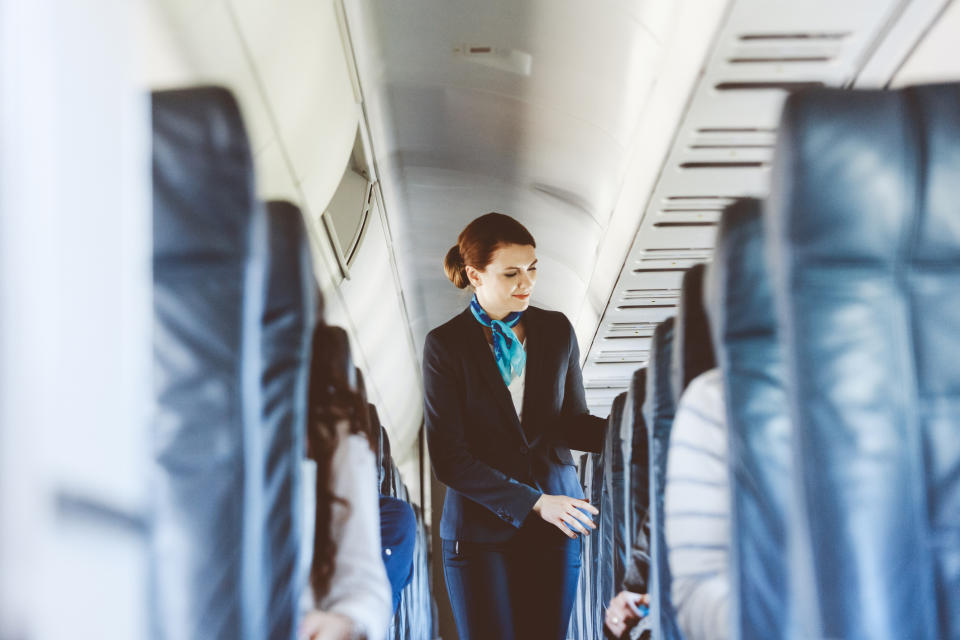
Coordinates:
[290,65]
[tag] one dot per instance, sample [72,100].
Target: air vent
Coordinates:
[631,329]
[612,384]
[512,60]
[753,37]
[655,295]
[766,85]
[778,59]
[623,357]
[687,223]
[654,253]
[720,164]
[728,130]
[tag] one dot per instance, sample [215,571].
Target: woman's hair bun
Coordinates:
[455,268]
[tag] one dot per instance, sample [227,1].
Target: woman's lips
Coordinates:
[522,297]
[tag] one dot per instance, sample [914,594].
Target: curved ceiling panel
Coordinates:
[528,108]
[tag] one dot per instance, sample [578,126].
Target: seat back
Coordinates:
[612,550]
[209,250]
[659,409]
[287,329]
[692,343]
[740,306]
[864,225]
[636,447]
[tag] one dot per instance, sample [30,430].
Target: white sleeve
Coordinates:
[359,587]
[697,511]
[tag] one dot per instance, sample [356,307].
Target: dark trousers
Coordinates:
[521,589]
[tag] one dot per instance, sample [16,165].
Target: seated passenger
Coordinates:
[348,595]
[697,510]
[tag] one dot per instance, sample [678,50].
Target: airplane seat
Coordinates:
[637,482]
[659,408]
[610,525]
[596,549]
[692,343]
[384,456]
[739,302]
[209,262]
[588,604]
[865,232]
[288,323]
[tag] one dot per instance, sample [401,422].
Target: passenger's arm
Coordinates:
[359,588]
[697,511]
[453,463]
[579,429]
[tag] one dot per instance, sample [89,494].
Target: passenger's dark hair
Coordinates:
[477,242]
[332,397]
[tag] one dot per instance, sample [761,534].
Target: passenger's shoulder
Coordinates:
[704,396]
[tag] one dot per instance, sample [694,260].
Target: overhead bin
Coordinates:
[209,259]
[739,301]
[864,225]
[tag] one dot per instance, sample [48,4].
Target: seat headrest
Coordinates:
[290,275]
[659,398]
[892,153]
[203,169]
[739,258]
[692,346]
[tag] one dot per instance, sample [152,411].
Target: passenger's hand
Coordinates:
[563,513]
[324,625]
[623,613]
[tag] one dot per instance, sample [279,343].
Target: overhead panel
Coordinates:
[723,150]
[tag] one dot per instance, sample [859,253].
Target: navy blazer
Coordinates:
[496,468]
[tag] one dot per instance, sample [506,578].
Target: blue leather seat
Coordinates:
[692,343]
[740,306]
[587,588]
[659,409]
[287,329]
[613,552]
[209,259]
[636,481]
[865,226]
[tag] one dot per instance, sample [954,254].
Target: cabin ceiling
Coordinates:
[542,128]
[576,118]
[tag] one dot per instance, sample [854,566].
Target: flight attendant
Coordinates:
[504,403]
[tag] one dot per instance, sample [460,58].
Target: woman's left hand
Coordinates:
[324,625]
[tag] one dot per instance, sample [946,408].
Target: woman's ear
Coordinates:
[473,275]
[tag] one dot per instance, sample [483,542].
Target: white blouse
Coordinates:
[516,385]
[359,588]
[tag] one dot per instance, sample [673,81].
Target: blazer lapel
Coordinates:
[480,352]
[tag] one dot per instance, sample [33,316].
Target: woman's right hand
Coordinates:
[564,513]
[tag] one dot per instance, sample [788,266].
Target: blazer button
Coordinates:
[524,449]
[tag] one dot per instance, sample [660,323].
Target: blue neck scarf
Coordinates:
[507,349]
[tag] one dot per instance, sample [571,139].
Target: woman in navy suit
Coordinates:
[504,403]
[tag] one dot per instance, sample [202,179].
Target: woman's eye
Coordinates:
[510,275]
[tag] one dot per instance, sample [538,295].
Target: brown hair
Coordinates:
[477,242]
[332,397]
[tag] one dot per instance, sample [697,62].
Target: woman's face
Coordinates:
[505,285]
